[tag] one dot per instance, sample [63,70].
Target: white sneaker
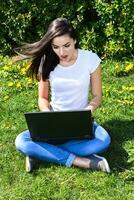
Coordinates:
[99,163]
[30,164]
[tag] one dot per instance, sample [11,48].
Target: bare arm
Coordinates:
[96,89]
[43,95]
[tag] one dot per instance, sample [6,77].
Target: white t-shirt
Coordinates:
[70,84]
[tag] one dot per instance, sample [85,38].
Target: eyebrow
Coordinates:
[63,44]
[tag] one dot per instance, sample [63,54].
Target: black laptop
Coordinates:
[59,125]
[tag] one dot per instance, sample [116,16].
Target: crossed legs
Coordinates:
[69,153]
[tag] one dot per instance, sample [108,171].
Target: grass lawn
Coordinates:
[19,94]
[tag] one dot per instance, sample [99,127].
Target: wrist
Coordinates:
[89,107]
[45,110]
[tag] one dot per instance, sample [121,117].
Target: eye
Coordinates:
[67,45]
[55,47]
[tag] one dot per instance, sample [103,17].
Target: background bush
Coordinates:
[104,26]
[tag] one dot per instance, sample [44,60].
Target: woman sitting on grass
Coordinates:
[68,72]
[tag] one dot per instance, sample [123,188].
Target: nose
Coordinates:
[61,52]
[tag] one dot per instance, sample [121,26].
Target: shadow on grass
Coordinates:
[120,132]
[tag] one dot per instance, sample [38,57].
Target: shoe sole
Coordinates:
[106,163]
[28,167]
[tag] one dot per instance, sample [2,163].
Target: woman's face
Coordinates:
[64,47]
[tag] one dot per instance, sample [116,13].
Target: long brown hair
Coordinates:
[38,50]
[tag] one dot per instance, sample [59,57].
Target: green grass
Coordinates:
[55,182]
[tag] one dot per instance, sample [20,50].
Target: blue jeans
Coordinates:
[65,153]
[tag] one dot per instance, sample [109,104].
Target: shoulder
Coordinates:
[88,53]
[91,59]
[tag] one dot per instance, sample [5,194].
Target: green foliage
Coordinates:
[117,21]
[104,26]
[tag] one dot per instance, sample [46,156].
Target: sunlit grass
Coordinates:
[19,94]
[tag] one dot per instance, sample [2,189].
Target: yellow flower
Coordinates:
[126,102]
[6,68]
[18,85]
[27,66]
[131,88]
[29,81]
[23,71]
[129,67]
[10,84]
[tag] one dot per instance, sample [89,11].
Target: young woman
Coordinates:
[68,73]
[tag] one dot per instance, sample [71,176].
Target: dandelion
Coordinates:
[29,81]
[10,84]
[131,88]
[6,126]
[126,102]
[18,85]
[129,67]
[6,68]
[107,92]
[27,66]
[23,71]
